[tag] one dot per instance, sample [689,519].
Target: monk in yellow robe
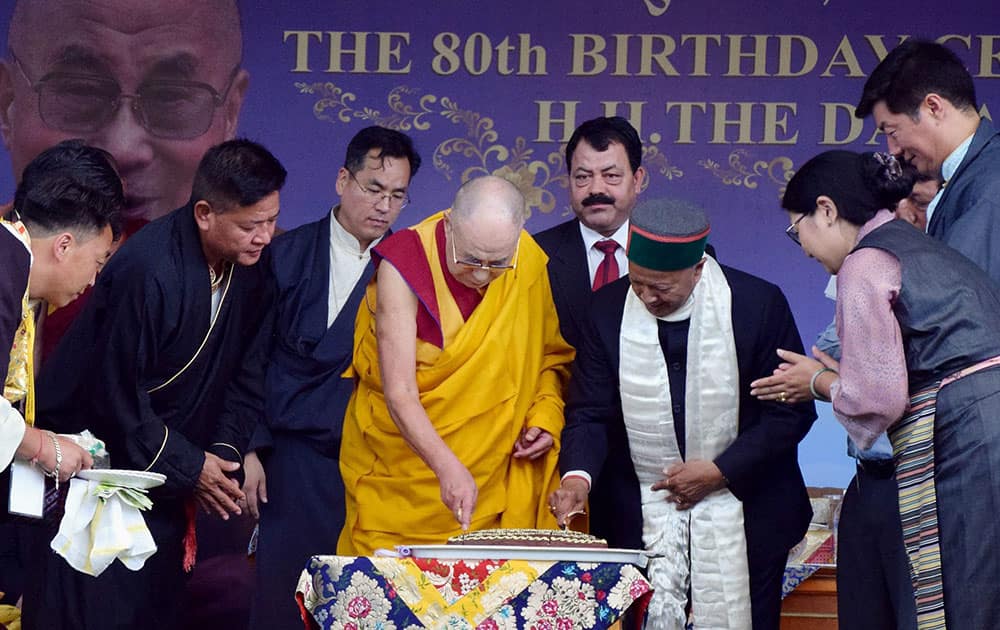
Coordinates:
[460,368]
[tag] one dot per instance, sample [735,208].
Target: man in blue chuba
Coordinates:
[293,481]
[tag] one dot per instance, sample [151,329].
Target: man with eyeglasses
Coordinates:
[455,420]
[322,269]
[154,84]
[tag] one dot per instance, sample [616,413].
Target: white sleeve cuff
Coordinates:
[582,474]
[12,429]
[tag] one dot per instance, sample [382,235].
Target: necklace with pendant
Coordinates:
[214,280]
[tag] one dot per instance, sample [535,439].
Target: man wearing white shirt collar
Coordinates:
[321,270]
[605,175]
[922,97]
[604,158]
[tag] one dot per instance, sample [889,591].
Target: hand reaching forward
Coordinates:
[458,491]
[570,498]
[790,381]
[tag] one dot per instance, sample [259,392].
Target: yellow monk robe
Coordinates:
[501,371]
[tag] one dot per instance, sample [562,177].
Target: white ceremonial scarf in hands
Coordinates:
[100,525]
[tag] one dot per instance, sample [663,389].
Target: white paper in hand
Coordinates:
[27,490]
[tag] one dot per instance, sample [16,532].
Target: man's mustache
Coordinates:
[598,198]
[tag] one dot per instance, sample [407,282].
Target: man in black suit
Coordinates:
[604,158]
[708,476]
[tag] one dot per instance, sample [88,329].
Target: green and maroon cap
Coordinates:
[667,234]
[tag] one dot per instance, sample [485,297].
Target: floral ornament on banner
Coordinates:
[477,151]
[778,171]
[654,159]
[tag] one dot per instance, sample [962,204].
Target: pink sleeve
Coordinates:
[872,392]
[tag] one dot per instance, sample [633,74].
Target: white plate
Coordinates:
[509,552]
[126,478]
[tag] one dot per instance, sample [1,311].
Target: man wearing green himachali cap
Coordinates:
[712,473]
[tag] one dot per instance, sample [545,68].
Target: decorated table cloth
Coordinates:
[817,550]
[359,593]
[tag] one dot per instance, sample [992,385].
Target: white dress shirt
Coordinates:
[595,256]
[347,263]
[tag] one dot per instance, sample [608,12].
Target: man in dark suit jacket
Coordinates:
[922,97]
[604,158]
[755,469]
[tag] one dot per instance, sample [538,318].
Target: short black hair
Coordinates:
[910,72]
[70,187]
[236,173]
[389,142]
[601,132]
[860,184]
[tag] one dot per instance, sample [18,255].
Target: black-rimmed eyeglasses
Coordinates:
[397,199]
[793,230]
[86,103]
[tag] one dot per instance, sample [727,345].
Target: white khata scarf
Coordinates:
[706,545]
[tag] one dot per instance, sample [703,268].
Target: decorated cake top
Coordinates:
[528,538]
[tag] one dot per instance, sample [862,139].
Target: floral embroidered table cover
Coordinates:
[348,593]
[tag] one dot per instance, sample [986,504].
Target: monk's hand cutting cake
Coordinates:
[458,489]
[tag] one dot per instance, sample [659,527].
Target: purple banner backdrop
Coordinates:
[729,97]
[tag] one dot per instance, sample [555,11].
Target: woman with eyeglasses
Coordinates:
[919,326]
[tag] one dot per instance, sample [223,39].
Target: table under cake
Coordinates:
[388,593]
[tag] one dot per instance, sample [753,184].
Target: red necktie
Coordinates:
[607,271]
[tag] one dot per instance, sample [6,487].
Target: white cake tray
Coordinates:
[127,478]
[637,557]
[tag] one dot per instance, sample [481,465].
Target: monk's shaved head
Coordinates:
[490,195]
[486,220]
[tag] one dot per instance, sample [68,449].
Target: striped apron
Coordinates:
[913,446]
